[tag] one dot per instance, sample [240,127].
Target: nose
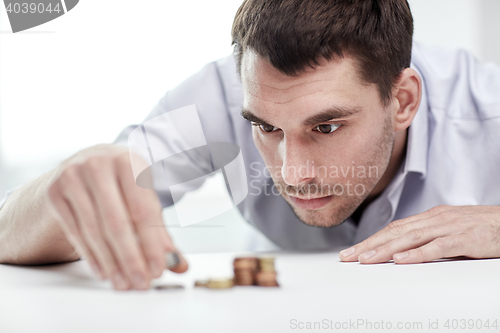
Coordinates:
[297,168]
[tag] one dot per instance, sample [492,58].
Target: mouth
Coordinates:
[312,203]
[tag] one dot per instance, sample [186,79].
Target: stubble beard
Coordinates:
[345,205]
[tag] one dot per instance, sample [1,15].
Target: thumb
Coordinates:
[174,260]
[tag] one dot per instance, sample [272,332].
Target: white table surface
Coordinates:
[315,287]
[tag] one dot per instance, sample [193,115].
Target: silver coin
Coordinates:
[172,260]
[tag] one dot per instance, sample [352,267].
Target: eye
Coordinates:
[267,128]
[327,128]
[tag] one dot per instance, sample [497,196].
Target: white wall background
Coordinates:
[78,80]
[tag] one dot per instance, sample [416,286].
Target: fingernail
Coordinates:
[119,281]
[368,255]
[347,252]
[155,268]
[139,281]
[400,256]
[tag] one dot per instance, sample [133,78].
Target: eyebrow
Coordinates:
[326,115]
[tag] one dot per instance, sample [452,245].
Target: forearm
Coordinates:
[29,235]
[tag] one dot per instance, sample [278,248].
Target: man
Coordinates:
[352,130]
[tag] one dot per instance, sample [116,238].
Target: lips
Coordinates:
[314,203]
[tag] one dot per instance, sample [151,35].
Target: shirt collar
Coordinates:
[418,136]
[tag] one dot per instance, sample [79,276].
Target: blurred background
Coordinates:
[78,80]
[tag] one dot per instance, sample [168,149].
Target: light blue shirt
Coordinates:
[453,150]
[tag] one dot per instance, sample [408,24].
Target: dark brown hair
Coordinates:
[293,34]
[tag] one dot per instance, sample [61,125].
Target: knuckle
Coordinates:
[418,253]
[496,233]
[395,228]
[446,243]
[122,161]
[453,213]
[53,191]
[386,248]
[441,243]
[436,210]
[140,213]
[94,164]
[366,244]
[415,234]
[69,176]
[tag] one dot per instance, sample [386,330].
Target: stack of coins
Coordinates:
[248,271]
[266,274]
[245,270]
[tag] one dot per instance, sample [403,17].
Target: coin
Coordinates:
[266,279]
[224,283]
[168,286]
[244,270]
[220,283]
[266,264]
[244,279]
[201,283]
[172,260]
[268,284]
[245,263]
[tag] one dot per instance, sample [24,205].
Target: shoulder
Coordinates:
[230,81]
[457,83]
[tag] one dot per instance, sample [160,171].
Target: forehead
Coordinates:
[261,80]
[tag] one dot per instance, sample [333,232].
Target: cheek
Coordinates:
[354,146]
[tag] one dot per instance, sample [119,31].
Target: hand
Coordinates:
[115,224]
[441,232]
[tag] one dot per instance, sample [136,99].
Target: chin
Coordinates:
[321,219]
[332,215]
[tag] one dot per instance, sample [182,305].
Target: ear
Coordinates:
[406,98]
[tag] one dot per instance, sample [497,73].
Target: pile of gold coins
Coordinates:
[248,271]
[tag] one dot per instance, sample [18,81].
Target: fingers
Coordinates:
[412,239]
[443,247]
[63,212]
[182,266]
[427,214]
[111,221]
[394,230]
[145,213]
[89,227]
[116,223]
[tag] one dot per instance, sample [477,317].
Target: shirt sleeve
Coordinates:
[206,91]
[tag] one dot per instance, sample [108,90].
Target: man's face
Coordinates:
[324,135]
